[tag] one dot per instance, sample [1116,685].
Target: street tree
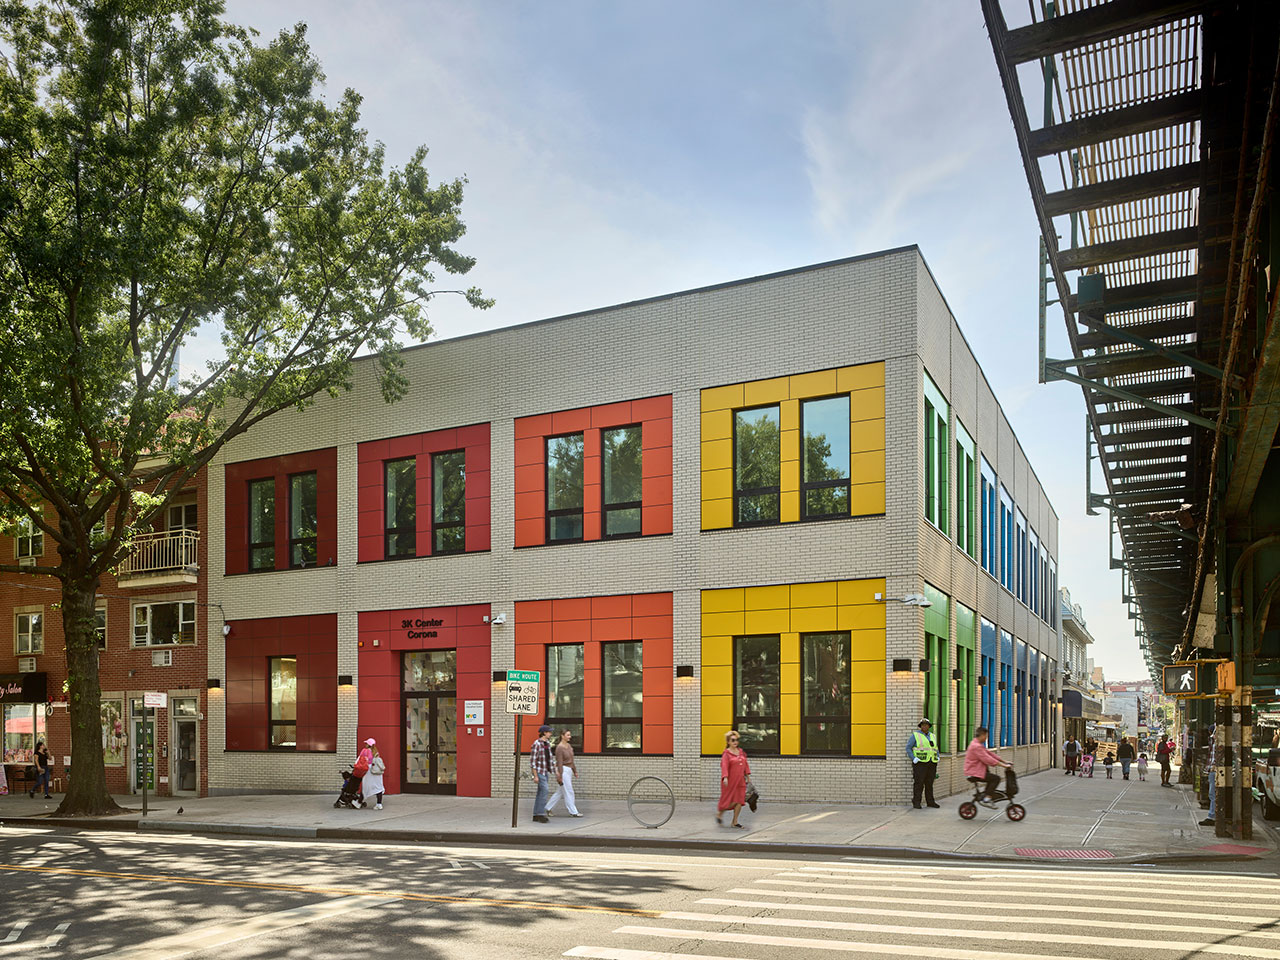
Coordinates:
[164,175]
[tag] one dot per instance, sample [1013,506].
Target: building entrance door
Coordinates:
[186,746]
[429,682]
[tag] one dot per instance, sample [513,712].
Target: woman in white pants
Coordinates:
[565,774]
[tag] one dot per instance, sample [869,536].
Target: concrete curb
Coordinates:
[352,834]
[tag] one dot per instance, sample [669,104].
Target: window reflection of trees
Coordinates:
[757,465]
[758,695]
[826,692]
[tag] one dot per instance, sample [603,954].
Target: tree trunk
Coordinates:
[87,794]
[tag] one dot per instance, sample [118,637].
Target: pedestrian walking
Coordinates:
[372,786]
[4,782]
[1125,756]
[540,761]
[735,774]
[1107,762]
[1071,755]
[41,762]
[922,748]
[566,773]
[1212,819]
[1142,766]
[1163,754]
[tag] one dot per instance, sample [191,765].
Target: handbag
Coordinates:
[753,796]
[360,769]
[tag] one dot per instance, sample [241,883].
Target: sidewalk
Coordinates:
[1067,819]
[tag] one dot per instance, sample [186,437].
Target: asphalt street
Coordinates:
[95,894]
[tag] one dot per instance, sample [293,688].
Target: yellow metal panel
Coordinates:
[768,598]
[862,616]
[814,619]
[867,740]
[790,737]
[722,398]
[790,648]
[859,591]
[790,446]
[866,435]
[764,391]
[767,621]
[790,686]
[718,709]
[718,425]
[722,624]
[817,384]
[717,484]
[713,738]
[721,601]
[717,651]
[717,455]
[864,467]
[813,594]
[717,514]
[789,507]
[717,680]
[791,707]
[866,499]
[868,676]
[867,644]
[858,378]
[868,707]
[865,404]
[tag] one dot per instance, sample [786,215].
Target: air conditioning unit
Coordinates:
[26,561]
[26,664]
[162,658]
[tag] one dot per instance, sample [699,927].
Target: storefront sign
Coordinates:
[522,691]
[155,699]
[23,687]
[420,629]
[473,713]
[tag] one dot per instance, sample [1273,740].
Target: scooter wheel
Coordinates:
[968,810]
[1015,811]
[337,804]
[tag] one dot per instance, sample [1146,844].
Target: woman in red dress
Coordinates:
[735,774]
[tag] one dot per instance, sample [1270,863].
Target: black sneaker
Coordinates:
[1207,822]
[934,805]
[541,819]
[916,806]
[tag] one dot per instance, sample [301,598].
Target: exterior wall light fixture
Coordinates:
[957,674]
[344,680]
[1001,685]
[213,684]
[924,666]
[982,681]
[685,670]
[499,676]
[901,665]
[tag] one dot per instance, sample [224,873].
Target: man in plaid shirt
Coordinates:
[540,761]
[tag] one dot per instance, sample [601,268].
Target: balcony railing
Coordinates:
[169,556]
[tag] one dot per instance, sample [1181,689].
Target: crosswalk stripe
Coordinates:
[16,932]
[1262,953]
[1001,917]
[840,946]
[1101,872]
[994,887]
[56,937]
[616,953]
[1016,876]
[1005,907]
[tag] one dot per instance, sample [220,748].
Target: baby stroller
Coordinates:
[350,796]
[1014,811]
[1086,766]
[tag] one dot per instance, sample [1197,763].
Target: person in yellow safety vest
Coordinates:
[922,748]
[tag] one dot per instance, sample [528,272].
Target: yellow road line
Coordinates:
[333,891]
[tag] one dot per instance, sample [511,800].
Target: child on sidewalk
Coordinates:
[1107,761]
[1086,766]
[1142,766]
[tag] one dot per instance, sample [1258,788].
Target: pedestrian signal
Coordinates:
[1181,680]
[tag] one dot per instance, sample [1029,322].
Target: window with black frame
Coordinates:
[303,520]
[566,692]
[400,483]
[564,488]
[449,502]
[757,466]
[620,456]
[282,675]
[623,668]
[757,693]
[262,524]
[825,461]
[825,698]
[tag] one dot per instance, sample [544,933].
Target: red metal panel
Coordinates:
[611,415]
[652,408]
[536,426]
[656,433]
[650,604]
[656,520]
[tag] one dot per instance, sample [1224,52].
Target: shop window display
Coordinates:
[24,727]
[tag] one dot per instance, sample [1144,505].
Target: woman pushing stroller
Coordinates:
[978,761]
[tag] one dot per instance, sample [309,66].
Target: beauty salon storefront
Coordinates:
[22,705]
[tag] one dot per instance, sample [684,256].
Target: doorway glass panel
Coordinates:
[429,670]
[417,747]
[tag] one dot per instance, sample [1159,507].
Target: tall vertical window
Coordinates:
[564,488]
[565,693]
[1006,540]
[757,466]
[935,687]
[303,527]
[966,513]
[1046,599]
[29,543]
[620,461]
[262,524]
[1006,705]
[1033,572]
[990,520]
[825,694]
[1020,690]
[1020,555]
[400,516]
[24,727]
[937,451]
[825,458]
[757,693]
[100,626]
[987,690]
[449,502]
[283,677]
[623,667]
[1053,594]
[29,634]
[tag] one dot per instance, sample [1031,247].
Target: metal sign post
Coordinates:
[522,698]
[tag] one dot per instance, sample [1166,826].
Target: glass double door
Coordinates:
[430,721]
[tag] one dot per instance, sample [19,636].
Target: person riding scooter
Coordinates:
[978,761]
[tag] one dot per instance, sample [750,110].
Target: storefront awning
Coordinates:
[24,687]
[1075,705]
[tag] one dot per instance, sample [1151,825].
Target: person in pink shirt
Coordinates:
[978,761]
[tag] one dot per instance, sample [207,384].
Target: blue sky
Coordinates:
[623,150]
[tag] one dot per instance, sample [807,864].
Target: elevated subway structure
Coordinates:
[1151,173]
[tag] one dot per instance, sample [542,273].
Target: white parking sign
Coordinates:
[522,691]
